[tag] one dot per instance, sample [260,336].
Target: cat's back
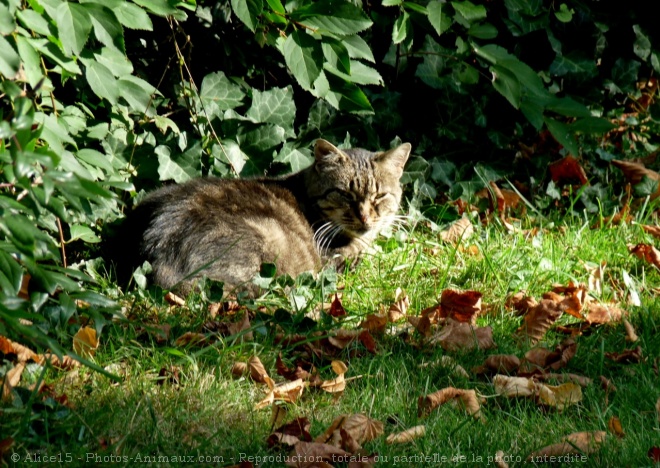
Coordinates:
[223,229]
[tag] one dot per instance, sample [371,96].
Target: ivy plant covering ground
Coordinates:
[531,109]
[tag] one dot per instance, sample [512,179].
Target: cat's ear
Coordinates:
[326,153]
[395,159]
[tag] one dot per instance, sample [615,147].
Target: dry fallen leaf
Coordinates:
[338,384]
[455,336]
[85,342]
[657,408]
[646,252]
[459,230]
[513,386]
[559,396]
[630,332]
[399,309]
[336,308]
[173,299]
[607,384]
[313,454]
[594,283]
[407,435]
[538,320]
[288,392]
[291,433]
[635,172]
[239,369]
[653,230]
[500,460]
[576,443]
[568,170]
[520,302]
[257,370]
[191,339]
[502,363]
[603,313]
[462,306]
[359,427]
[11,380]
[615,427]
[627,357]
[467,399]
[375,323]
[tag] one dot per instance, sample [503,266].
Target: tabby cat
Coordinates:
[225,229]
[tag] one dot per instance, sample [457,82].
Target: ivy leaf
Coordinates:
[261,138]
[248,11]
[565,15]
[73,25]
[102,82]
[592,125]
[507,84]
[334,16]
[218,94]
[401,28]
[563,135]
[438,18]
[231,154]
[83,233]
[274,106]
[642,45]
[9,59]
[179,168]
[573,63]
[304,57]
[297,159]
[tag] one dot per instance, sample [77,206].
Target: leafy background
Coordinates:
[101,101]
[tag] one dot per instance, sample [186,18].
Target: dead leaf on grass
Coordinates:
[11,379]
[257,370]
[615,427]
[459,230]
[191,339]
[85,342]
[513,386]
[654,454]
[657,408]
[603,313]
[520,302]
[607,384]
[596,275]
[499,364]
[568,170]
[313,455]
[399,309]
[539,320]
[646,252]
[653,230]
[375,323]
[455,336]
[288,392]
[559,396]
[338,384]
[631,356]
[292,373]
[407,435]
[576,443]
[636,172]
[174,300]
[500,458]
[462,306]
[239,369]
[466,399]
[291,433]
[631,336]
[336,308]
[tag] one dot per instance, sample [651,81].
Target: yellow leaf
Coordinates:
[85,342]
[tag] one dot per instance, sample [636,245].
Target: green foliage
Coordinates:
[101,101]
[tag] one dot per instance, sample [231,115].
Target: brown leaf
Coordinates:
[292,374]
[173,299]
[11,380]
[646,252]
[596,273]
[359,426]
[630,332]
[520,302]
[502,363]
[191,339]
[407,435]
[635,172]
[85,342]
[375,323]
[466,398]
[399,309]
[239,369]
[240,327]
[568,170]
[459,230]
[338,384]
[257,370]
[631,356]
[336,308]
[615,427]
[538,320]
[607,384]
[6,347]
[603,313]
[559,396]
[500,460]
[313,454]
[654,454]
[461,306]
[576,443]
[653,230]
[291,433]
[657,408]
[455,336]
[288,392]
[66,363]
[513,386]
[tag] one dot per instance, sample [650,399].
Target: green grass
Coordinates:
[210,414]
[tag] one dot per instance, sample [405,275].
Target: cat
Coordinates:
[225,229]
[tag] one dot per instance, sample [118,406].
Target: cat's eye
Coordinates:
[379,197]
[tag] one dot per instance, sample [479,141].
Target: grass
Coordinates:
[205,412]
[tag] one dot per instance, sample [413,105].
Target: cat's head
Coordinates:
[357,192]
